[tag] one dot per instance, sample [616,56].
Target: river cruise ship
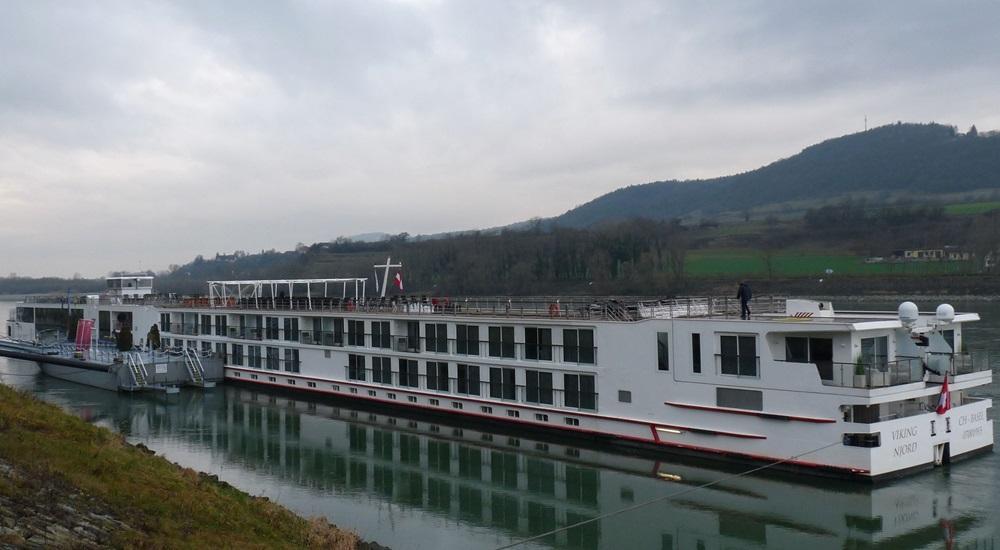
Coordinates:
[799,385]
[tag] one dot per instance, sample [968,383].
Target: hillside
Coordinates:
[899,160]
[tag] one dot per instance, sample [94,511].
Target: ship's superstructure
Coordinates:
[845,392]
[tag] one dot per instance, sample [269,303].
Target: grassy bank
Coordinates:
[157,503]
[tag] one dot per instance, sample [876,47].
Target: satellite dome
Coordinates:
[945,313]
[908,313]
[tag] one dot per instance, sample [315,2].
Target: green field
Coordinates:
[805,263]
[971,208]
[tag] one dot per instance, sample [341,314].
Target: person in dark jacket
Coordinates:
[744,295]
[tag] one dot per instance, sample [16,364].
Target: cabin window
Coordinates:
[579,392]
[501,342]
[238,354]
[696,353]
[382,370]
[502,383]
[739,354]
[291,329]
[355,366]
[338,331]
[875,351]
[467,339]
[538,343]
[355,333]
[468,379]
[949,337]
[206,347]
[165,322]
[437,376]
[380,335]
[27,315]
[220,325]
[578,346]
[206,324]
[436,337]
[662,351]
[254,354]
[538,387]
[272,358]
[733,398]
[220,351]
[271,331]
[291,360]
[801,349]
[408,375]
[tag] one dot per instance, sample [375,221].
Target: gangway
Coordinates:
[195,369]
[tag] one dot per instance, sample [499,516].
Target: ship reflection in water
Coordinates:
[409,482]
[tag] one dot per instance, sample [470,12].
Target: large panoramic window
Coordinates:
[578,345]
[382,370]
[738,355]
[237,354]
[271,328]
[355,333]
[408,375]
[468,379]
[467,339]
[206,324]
[254,356]
[291,329]
[380,335]
[272,358]
[355,366]
[501,342]
[436,337]
[807,349]
[538,387]
[538,343]
[579,391]
[875,351]
[291,360]
[437,376]
[502,383]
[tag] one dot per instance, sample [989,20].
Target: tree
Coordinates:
[972,132]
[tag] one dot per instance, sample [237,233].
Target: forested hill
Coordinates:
[895,161]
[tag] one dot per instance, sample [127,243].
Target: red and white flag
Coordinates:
[944,402]
[398,280]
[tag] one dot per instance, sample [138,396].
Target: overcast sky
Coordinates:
[139,134]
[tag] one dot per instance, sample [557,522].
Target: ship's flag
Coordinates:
[398,280]
[944,402]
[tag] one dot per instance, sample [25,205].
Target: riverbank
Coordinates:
[64,482]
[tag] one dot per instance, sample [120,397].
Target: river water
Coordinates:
[412,483]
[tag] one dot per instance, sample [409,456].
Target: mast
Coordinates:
[385,276]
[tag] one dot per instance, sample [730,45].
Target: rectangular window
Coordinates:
[436,337]
[355,333]
[437,376]
[624,396]
[538,387]
[579,392]
[412,342]
[819,351]
[165,322]
[467,339]
[271,328]
[949,338]
[662,351]
[408,375]
[739,354]
[739,399]
[501,342]
[237,354]
[220,351]
[206,347]
[382,370]
[468,379]
[220,325]
[254,356]
[502,383]
[696,352]
[578,346]
[338,331]
[291,360]
[272,358]
[380,335]
[538,343]
[355,366]
[291,329]
[875,351]
[206,324]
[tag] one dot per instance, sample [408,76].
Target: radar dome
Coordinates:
[908,313]
[945,313]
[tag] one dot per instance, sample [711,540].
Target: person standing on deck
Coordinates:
[744,294]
